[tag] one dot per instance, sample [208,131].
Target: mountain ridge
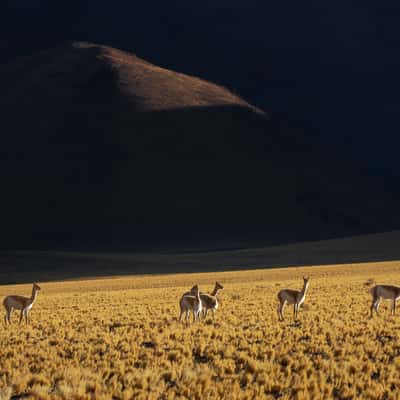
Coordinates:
[90,156]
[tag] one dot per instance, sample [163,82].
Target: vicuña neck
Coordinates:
[34,295]
[215,291]
[305,287]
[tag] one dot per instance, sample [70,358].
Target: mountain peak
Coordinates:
[76,67]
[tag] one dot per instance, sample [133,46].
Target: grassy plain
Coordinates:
[119,338]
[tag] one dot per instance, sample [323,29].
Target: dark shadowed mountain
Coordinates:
[101,148]
[331,67]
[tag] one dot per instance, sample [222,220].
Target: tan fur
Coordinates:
[386,292]
[209,301]
[191,300]
[191,303]
[20,303]
[290,296]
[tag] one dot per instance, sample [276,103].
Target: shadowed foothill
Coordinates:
[105,150]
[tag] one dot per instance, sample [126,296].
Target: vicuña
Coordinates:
[191,302]
[20,303]
[295,297]
[208,301]
[386,292]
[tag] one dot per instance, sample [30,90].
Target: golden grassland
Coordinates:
[119,338]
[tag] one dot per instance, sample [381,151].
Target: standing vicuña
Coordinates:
[386,292]
[208,301]
[295,297]
[191,302]
[20,303]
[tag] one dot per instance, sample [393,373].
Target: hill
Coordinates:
[101,148]
[333,70]
[28,266]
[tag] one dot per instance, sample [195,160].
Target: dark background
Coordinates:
[326,69]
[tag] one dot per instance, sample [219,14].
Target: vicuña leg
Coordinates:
[9,313]
[372,308]
[280,310]
[375,305]
[7,317]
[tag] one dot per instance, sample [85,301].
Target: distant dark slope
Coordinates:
[28,266]
[101,148]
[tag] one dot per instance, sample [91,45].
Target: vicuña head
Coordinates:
[36,286]
[194,290]
[217,287]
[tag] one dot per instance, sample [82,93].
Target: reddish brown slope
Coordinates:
[75,67]
[156,88]
[100,146]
